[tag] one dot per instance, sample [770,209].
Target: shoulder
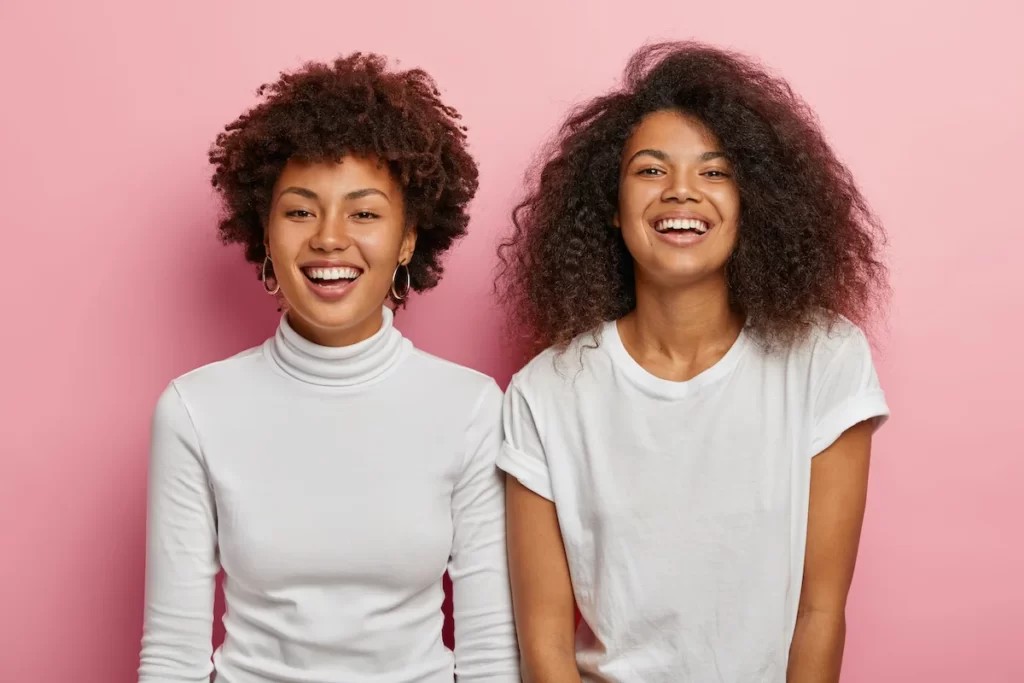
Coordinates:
[831,341]
[844,386]
[450,381]
[557,371]
[467,400]
[830,336]
[220,379]
[834,363]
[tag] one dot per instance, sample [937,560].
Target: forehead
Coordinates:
[345,174]
[672,132]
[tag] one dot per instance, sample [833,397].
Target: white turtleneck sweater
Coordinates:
[334,486]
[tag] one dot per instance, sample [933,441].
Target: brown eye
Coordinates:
[298,213]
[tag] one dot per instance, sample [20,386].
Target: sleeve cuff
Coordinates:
[530,472]
[853,411]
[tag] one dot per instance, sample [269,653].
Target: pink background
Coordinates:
[114,281]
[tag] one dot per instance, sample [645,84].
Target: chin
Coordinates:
[339,317]
[686,275]
[330,315]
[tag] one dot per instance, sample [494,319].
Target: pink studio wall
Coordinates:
[114,281]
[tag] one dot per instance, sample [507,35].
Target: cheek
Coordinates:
[284,244]
[385,244]
[640,244]
[634,198]
[379,246]
[728,240]
[727,200]
[631,217]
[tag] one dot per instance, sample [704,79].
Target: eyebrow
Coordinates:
[656,153]
[366,192]
[301,191]
[662,156]
[354,194]
[708,156]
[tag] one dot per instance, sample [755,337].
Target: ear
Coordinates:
[615,221]
[408,245]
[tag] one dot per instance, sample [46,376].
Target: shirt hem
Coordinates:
[851,412]
[527,470]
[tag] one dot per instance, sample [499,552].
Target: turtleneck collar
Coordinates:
[343,366]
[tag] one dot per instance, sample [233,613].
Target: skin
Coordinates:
[839,484]
[348,212]
[542,598]
[682,325]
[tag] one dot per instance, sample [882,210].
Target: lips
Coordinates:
[331,281]
[681,228]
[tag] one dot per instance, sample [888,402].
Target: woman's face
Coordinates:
[336,232]
[679,205]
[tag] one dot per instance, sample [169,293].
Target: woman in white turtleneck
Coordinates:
[335,472]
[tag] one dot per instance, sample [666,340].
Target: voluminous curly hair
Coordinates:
[807,245]
[355,106]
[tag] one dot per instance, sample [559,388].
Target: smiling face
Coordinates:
[679,205]
[335,234]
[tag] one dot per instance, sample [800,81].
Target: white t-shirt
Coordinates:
[334,486]
[683,505]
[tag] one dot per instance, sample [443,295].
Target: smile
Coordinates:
[331,276]
[678,224]
[331,283]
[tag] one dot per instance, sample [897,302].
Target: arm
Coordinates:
[839,477]
[545,609]
[542,595]
[847,407]
[485,637]
[181,558]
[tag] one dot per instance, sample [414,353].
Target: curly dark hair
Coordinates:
[807,242]
[353,106]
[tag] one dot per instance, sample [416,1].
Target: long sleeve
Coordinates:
[181,553]
[485,638]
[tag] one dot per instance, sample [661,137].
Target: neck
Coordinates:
[681,330]
[341,366]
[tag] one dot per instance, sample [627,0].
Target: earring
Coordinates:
[395,294]
[263,277]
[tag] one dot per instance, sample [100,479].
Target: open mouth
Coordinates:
[332,277]
[693,225]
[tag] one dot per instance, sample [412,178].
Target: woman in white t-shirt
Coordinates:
[335,471]
[689,455]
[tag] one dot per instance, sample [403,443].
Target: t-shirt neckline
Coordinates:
[664,387]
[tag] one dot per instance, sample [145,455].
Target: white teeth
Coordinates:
[332,273]
[698,226]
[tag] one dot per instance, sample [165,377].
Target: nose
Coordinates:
[682,187]
[331,235]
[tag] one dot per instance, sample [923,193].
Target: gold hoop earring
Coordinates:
[395,294]
[263,277]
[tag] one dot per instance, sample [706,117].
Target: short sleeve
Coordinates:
[847,391]
[522,454]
